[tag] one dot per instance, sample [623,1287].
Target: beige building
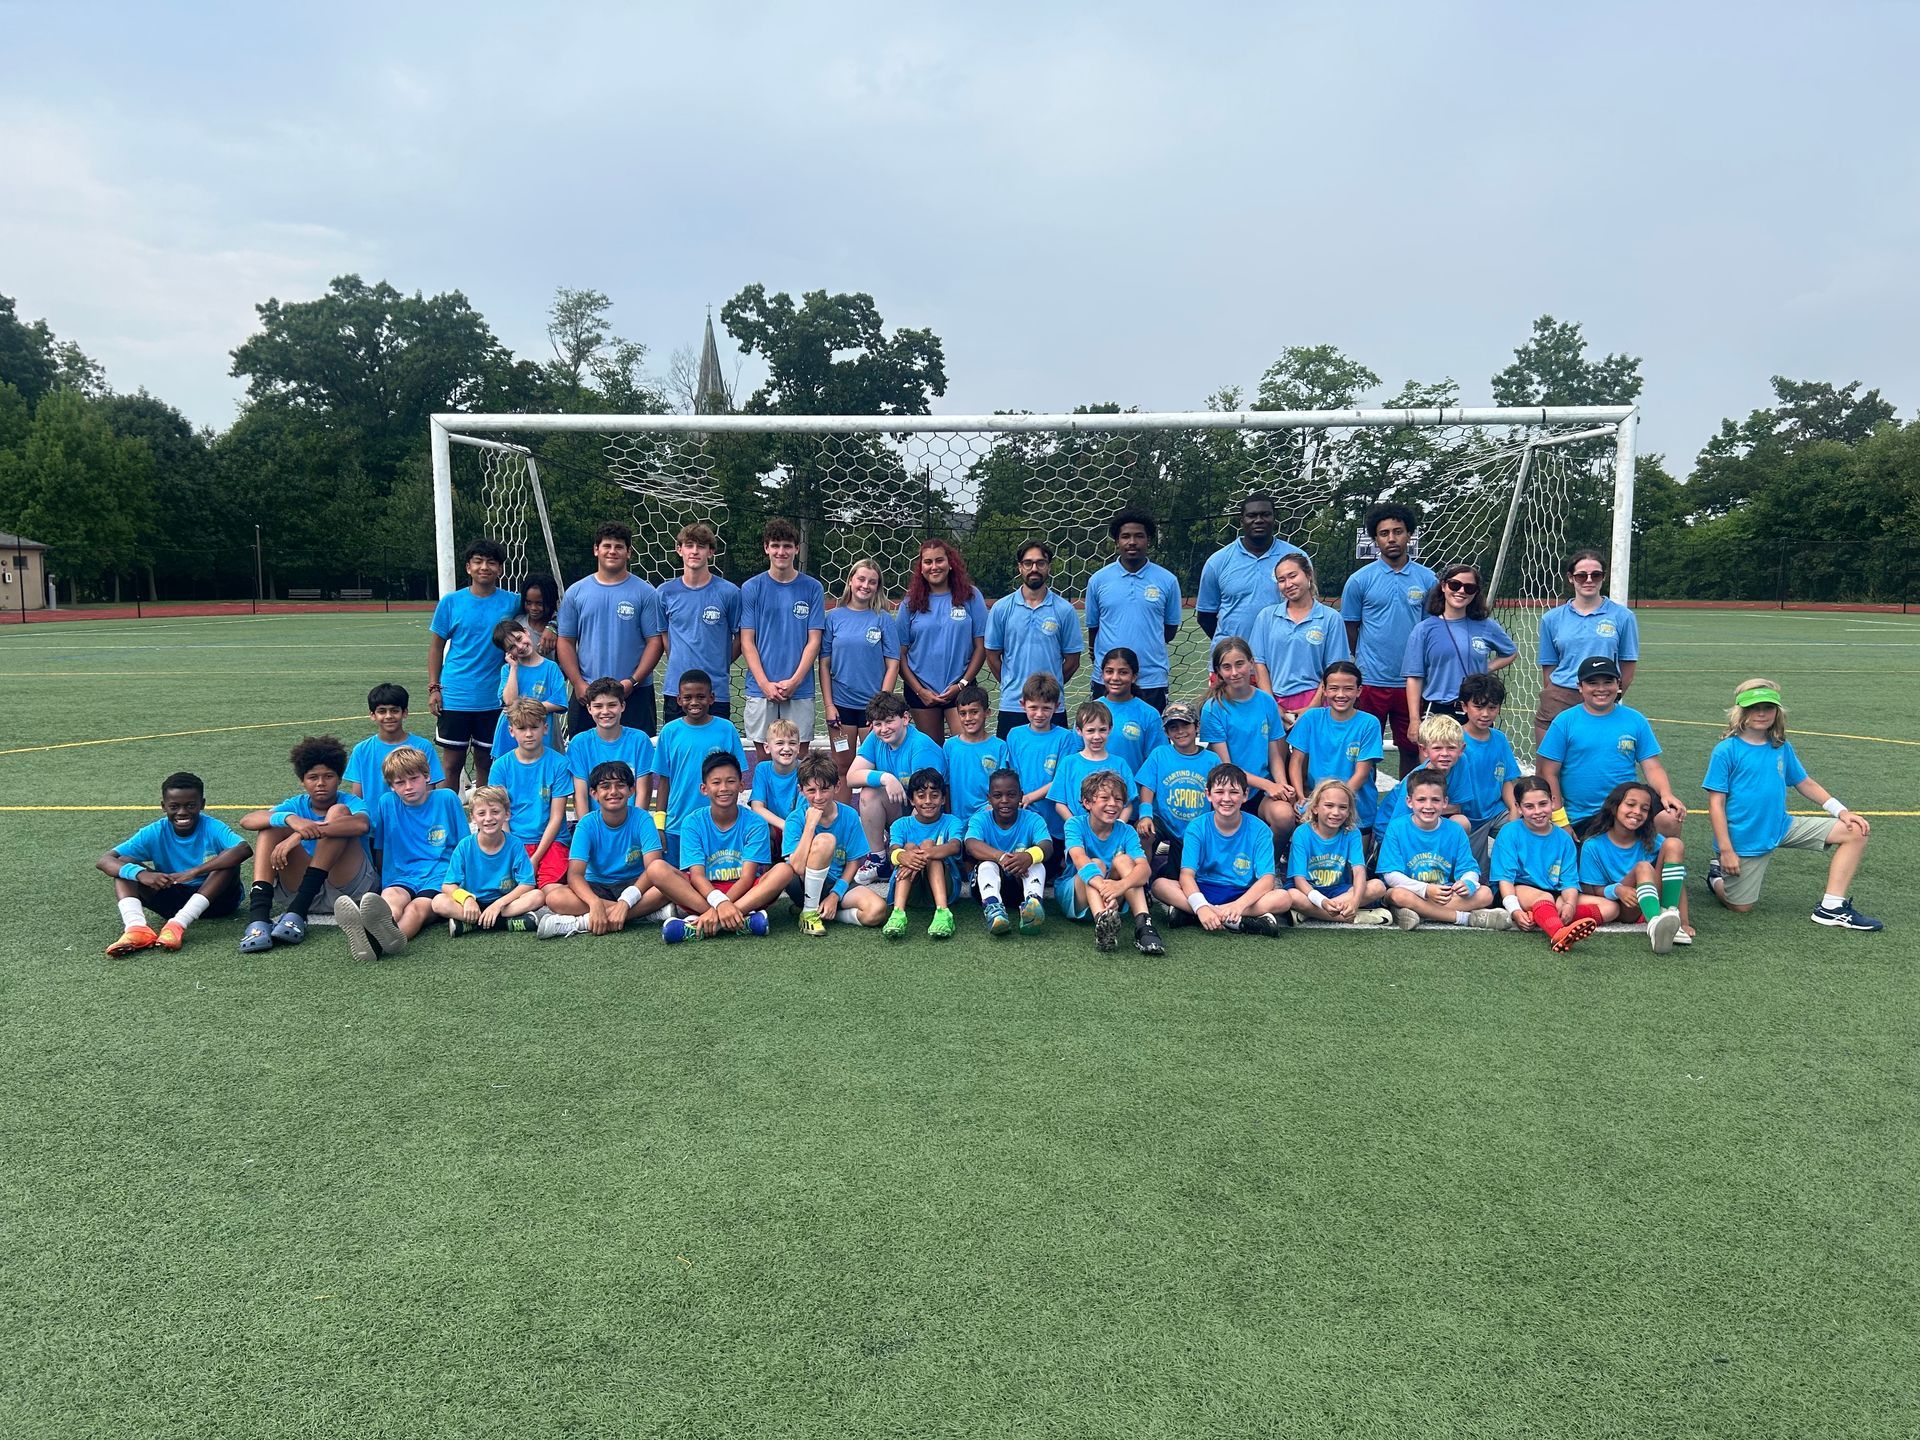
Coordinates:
[23,574]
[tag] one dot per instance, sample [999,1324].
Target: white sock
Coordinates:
[816,882]
[1832,902]
[987,881]
[132,913]
[847,915]
[1460,917]
[1036,883]
[192,911]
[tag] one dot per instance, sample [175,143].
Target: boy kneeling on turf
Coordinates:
[183,866]
[415,829]
[1429,868]
[489,880]
[1108,868]
[1227,879]
[723,849]
[1006,841]
[613,850]
[311,846]
[924,845]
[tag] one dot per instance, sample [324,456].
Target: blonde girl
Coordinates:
[859,658]
[1327,866]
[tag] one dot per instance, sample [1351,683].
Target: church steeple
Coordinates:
[710,395]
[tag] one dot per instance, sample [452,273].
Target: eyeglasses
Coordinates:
[1462,587]
[1589,574]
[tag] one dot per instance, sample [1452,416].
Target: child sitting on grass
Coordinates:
[489,883]
[415,829]
[1537,870]
[773,784]
[1107,870]
[723,850]
[310,847]
[387,708]
[607,867]
[924,844]
[1226,865]
[1628,867]
[1428,867]
[1327,862]
[1006,841]
[181,866]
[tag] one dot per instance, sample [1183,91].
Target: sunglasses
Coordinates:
[1589,574]
[1462,587]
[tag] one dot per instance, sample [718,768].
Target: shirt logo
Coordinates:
[1626,745]
[1315,636]
[1605,627]
[1478,645]
[1152,592]
[873,635]
[1415,595]
[1049,627]
[1052,760]
[634,852]
[625,610]
[1263,730]
[801,609]
[987,764]
[958,612]
[710,615]
[1241,865]
[437,835]
[1132,730]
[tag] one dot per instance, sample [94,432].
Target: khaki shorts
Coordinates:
[1804,832]
[365,880]
[762,712]
[1553,699]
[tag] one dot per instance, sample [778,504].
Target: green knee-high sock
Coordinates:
[1673,879]
[1649,899]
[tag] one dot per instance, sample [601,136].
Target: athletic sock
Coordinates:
[260,901]
[1547,915]
[1036,883]
[1832,902]
[1673,879]
[1462,917]
[847,915]
[1587,910]
[987,881]
[1649,899]
[191,911]
[131,912]
[309,891]
[816,882]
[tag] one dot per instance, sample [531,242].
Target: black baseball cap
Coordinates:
[1598,667]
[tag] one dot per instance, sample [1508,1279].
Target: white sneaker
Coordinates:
[1488,920]
[558,927]
[1661,930]
[1406,919]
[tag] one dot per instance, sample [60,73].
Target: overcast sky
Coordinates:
[1086,202]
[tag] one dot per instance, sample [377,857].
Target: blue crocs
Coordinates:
[289,929]
[256,938]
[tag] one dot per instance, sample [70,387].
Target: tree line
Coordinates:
[328,456]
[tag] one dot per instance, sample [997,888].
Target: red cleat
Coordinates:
[133,939]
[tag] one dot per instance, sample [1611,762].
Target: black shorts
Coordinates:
[1154,695]
[1455,708]
[1163,866]
[670,710]
[852,719]
[914,702]
[171,900]
[612,893]
[638,714]
[457,729]
[413,894]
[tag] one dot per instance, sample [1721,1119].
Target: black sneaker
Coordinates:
[1146,939]
[1106,931]
[1845,917]
[1268,925]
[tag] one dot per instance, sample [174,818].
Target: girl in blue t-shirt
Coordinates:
[1537,871]
[1327,863]
[1241,723]
[1632,871]
[1137,729]
[859,659]
[1339,741]
[1227,879]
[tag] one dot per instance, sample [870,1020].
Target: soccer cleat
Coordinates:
[1177,917]
[172,935]
[1489,919]
[1573,932]
[360,945]
[757,924]
[457,928]
[896,926]
[1267,925]
[677,931]
[1845,917]
[1106,931]
[257,938]
[1716,876]
[1147,940]
[377,919]
[811,924]
[557,927]
[289,929]
[133,939]
[1406,919]
[1661,929]
[871,868]
[942,926]
[1373,915]
[525,924]
[1033,915]
[998,921]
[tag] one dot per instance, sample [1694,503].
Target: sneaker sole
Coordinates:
[347,915]
[377,920]
[1106,931]
[1660,932]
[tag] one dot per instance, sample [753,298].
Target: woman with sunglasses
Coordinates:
[1587,625]
[1454,641]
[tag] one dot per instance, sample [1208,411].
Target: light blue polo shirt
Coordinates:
[857,645]
[780,616]
[938,641]
[1388,603]
[1567,637]
[609,625]
[1237,584]
[1297,652]
[700,626]
[1132,608]
[1444,652]
[1032,640]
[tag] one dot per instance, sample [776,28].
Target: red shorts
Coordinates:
[552,869]
[1389,703]
[1296,703]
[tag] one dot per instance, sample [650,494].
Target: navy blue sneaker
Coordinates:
[1845,917]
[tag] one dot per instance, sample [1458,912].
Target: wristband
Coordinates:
[1832,806]
[1560,818]
[630,896]
[1090,871]
[898,851]
[1317,897]
[1511,904]
[1198,901]
[840,887]
[454,892]
[1039,855]
[131,870]
[433,685]
[716,898]
[659,820]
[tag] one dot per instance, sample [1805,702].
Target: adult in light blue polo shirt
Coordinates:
[1587,625]
[1237,581]
[610,629]
[1135,603]
[1033,630]
[1294,641]
[1382,602]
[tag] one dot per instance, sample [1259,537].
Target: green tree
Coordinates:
[593,368]
[1314,377]
[80,489]
[1735,464]
[1553,368]
[28,361]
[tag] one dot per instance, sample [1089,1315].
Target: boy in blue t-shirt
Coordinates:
[1441,742]
[415,828]
[1006,841]
[1338,741]
[611,738]
[723,849]
[489,881]
[684,747]
[1094,722]
[387,707]
[1227,875]
[824,839]
[1601,743]
[526,674]
[971,754]
[311,847]
[1428,867]
[1483,780]
[782,616]
[773,784]
[923,845]
[612,866]
[893,750]
[183,866]
[1107,868]
[1173,788]
[462,664]
[1035,748]
[537,783]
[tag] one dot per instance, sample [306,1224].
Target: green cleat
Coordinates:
[1032,916]
[811,924]
[896,926]
[942,926]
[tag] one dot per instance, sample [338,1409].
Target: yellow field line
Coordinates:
[177,734]
[1721,725]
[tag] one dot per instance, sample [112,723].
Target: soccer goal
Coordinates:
[1510,490]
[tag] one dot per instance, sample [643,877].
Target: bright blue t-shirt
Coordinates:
[857,644]
[1027,830]
[849,838]
[779,793]
[969,765]
[158,846]
[1444,652]
[1120,840]
[416,841]
[366,758]
[1393,804]
[615,854]
[781,616]
[467,669]
[938,641]
[1388,603]
[1074,768]
[1755,779]
[1237,584]
[303,807]
[1032,640]
[1247,728]
[700,626]
[1325,861]
[943,828]
[544,682]
[724,853]
[1438,856]
[1036,755]
[682,750]
[1133,608]
[1596,753]
[1479,778]
[1546,862]
[1137,730]
[587,751]
[1297,652]
[1335,749]
[1227,861]
[1567,637]
[531,789]
[1179,786]
[1604,864]
[914,752]
[609,625]
[488,876]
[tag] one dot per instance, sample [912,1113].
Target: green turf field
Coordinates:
[1354,1184]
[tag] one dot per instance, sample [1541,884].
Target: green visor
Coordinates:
[1758,695]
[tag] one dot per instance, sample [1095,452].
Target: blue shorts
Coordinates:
[1221,894]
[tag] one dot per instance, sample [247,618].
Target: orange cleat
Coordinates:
[1573,932]
[172,935]
[134,938]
